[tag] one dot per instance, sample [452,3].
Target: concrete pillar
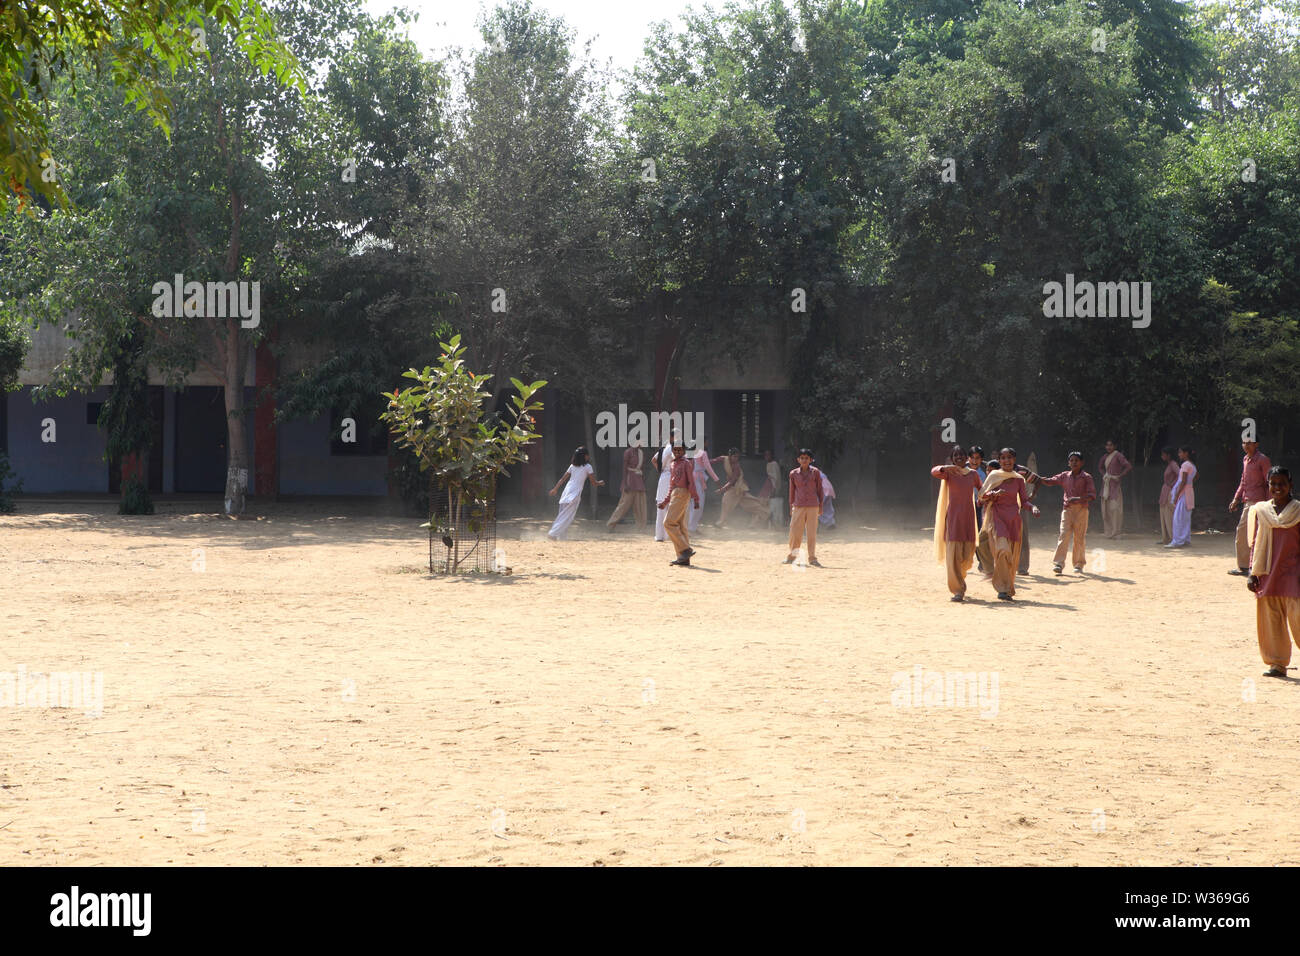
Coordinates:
[266,456]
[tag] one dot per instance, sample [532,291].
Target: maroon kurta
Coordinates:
[1283,578]
[960,521]
[1007,507]
[632,479]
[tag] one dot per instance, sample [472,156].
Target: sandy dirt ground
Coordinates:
[297,689]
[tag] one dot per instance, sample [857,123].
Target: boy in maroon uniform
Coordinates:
[1079,489]
[806,496]
[681,489]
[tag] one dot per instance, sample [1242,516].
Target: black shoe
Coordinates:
[1004,596]
[1275,672]
[959,597]
[682,562]
[1056,568]
[814,563]
[689,552]
[1241,572]
[789,559]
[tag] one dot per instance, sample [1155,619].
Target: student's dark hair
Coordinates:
[1280,471]
[956,450]
[733,451]
[1007,451]
[1169,450]
[805,451]
[1075,454]
[975,450]
[580,455]
[1191,452]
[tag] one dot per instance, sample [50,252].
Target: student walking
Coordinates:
[1112,467]
[772,491]
[983,557]
[1078,491]
[1273,531]
[662,459]
[805,507]
[681,489]
[1184,499]
[1004,497]
[1170,457]
[733,492]
[954,519]
[573,479]
[1252,488]
[702,469]
[1031,491]
[827,518]
[633,491]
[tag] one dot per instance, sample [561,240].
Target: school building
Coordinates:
[56,447]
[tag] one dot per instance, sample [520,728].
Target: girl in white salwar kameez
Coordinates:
[703,469]
[662,459]
[576,476]
[1184,499]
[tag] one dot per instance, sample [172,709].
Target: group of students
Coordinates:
[684,472]
[807,499]
[978,515]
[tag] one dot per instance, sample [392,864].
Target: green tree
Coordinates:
[760,212]
[133,44]
[233,198]
[464,449]
[1254,56]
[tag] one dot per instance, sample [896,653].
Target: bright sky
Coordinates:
[619,27]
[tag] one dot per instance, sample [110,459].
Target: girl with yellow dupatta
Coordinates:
[1004,497]
[1273,530]
[954,520]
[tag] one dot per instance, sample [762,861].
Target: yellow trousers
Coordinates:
[1074,524]
[801,519]
[1272,615]
[1006,559]
[630,499]
[675,522]
[958,558]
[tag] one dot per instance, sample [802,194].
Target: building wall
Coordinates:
[308,468]
[49,347]
[74,461]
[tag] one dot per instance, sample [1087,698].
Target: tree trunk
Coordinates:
[1137,496]
[589,436]
[237,440]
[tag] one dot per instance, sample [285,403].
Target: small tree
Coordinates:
[442,420]
[7,491]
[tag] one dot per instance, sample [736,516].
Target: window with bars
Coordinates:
[754,423]
[751,417]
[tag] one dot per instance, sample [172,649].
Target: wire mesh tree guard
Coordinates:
[463,535]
